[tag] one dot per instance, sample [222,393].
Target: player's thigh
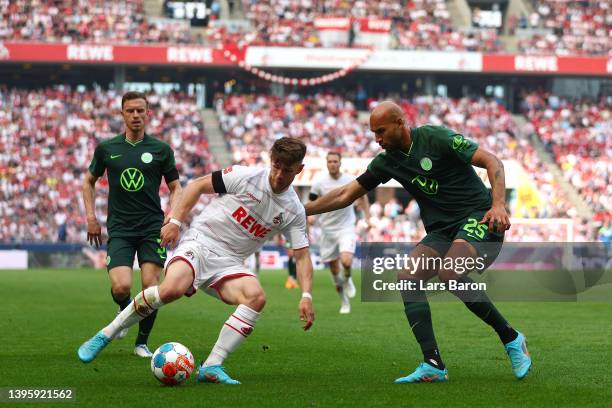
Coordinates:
[178,280]
[423,263]
[149,251]
[121,280]
[486,244]
[120,252]
[347,244]
[242,290]
[328,247]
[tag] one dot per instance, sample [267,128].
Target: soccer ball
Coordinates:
[172,363]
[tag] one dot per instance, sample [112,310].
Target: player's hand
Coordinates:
[94,232]
[167,219]
[169,235]
[306,313]
[497,218]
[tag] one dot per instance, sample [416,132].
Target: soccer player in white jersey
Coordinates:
[255,204]
[338,236]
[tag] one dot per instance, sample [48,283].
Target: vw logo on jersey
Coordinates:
[426,163]
[146,158]
[131,179]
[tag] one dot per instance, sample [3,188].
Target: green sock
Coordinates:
[144,328]
[479,303]
[418,313]
[291,267]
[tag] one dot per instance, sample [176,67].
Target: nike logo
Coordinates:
[114,156]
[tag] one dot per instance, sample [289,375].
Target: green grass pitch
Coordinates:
[348,360]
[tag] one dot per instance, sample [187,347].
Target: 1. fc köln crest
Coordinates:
[278,219]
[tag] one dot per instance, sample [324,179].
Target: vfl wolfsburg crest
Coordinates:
[131,179]
[146,157]
[426,163]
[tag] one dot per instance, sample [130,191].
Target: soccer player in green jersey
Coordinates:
[135,163]
[461,217]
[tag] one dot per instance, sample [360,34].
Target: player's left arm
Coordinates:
[497,217]
[304,275]
[364,205]
[187,200]
[175,197]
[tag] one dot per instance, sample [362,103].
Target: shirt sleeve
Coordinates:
[295,232]
[458,146]
[234,178]
[169,169]
[97,166]
[315,191]
[377,169]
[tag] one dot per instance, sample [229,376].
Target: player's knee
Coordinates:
[347,263]
[121,290]
[255,299]
[447,275]
[168,293]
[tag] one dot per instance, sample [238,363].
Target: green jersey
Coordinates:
[134,176]
[437,172]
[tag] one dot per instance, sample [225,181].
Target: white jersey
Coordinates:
[338,220]
[239,222]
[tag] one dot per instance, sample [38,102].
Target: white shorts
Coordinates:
[332,244]
[209,268]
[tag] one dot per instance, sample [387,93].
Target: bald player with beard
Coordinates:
[462,219]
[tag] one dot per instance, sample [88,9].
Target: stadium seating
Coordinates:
[47,138]
[577,133]
[94,21]
[420,24]
[576,28]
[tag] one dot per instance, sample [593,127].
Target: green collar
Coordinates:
[131,143]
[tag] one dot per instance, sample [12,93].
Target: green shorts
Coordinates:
[487,244]
[121,250]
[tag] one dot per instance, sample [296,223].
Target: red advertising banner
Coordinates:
[374,25]
[547,64]
[115,54]
[332,23]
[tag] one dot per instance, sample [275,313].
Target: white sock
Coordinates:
[338,281]
[234,331]
[140,307]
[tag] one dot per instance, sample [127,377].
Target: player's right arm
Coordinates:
[338,198]
[95,171]
[94,231]
[304,268]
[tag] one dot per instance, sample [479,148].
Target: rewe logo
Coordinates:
[190,54]
[247,222]
[542,64]
[90,52]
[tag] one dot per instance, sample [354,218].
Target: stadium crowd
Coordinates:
[47,139]
[329,121]
[419,24]
[575,28]
[94,21]
[577,134]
